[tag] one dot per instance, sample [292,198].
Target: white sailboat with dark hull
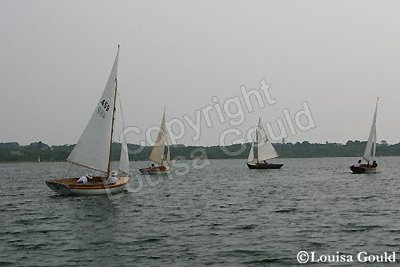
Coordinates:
[160,153]
[93,150]
[261,151]
[370,164]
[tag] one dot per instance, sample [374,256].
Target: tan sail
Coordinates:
[157,154]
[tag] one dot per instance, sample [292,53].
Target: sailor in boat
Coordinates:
[358,164]
[368,165]
[374,164]
[113,178]
[84,179]
[160,167]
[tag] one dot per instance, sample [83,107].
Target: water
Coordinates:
[221,215]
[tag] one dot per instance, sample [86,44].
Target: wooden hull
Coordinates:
[69,186]
[264,166]
[155,170]
[362,169]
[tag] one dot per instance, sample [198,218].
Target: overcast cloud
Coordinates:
[338,56]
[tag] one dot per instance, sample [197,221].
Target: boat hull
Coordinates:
[155,170]
[362,169]
[264,166]
[69,186]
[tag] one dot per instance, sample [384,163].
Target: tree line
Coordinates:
[13,152]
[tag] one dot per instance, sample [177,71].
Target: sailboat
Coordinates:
[93,149]
[370,150]
[159,155]
[261,151]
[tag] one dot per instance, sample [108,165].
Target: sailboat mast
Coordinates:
[165,141]
[374,125]
[256,147]
[112,129]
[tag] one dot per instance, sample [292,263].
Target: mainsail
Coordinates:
[158,153]
[370,149]
[93,147]
[262,149]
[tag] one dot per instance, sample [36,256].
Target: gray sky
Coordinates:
[336,55]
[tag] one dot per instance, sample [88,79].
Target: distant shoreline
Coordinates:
[39,151]
[6,162]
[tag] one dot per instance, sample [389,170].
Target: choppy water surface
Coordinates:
[222,215]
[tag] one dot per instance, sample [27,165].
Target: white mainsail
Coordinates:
[93,147]
[370,149]
[262,147]
[157,154]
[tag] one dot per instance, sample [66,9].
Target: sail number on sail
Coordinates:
[100,110]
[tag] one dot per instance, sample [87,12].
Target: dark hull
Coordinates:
[362,169]
[154,170]
[264,166]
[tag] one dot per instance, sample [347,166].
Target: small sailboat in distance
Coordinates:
[370,150]
[261,151]
[160,153]
[93,149]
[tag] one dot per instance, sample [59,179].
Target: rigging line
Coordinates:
[84,166]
